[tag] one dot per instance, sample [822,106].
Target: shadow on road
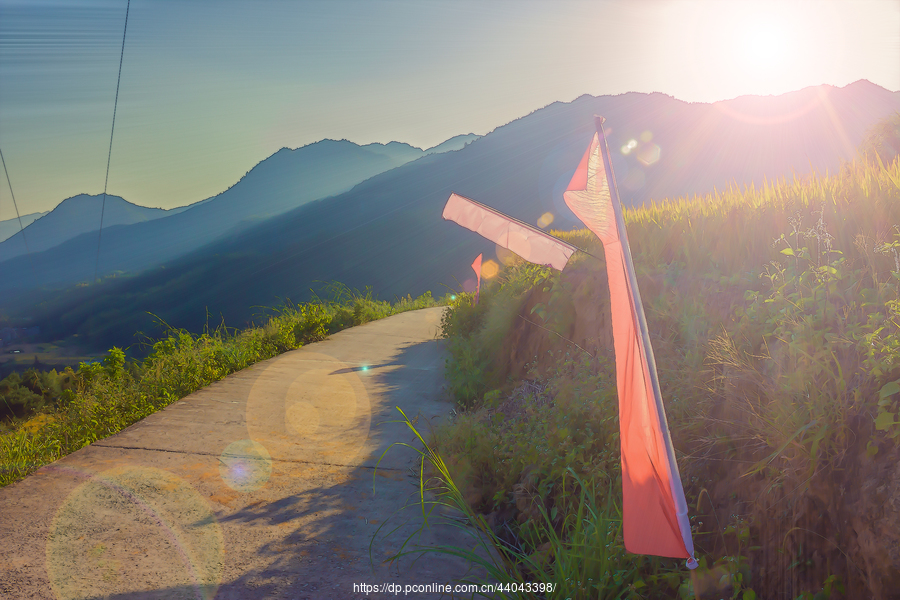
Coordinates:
[317,541]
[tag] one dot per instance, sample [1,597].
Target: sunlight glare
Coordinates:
[764,46]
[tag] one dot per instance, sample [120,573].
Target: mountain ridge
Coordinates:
[74,216]
[328,160]
[10,227]
[387,233]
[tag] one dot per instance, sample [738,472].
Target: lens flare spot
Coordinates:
[489,269]
[545,220]
[121,512]
[648,154]
[245,465]
[646,136]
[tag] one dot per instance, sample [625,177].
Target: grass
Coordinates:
[775,318]
[562,557]
[101,398]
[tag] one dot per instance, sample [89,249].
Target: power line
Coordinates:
[18,216]
[109,156]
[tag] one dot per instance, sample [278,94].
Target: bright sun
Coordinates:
[764,47]
[749,46]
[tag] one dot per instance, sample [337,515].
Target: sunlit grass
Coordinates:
[775,319]
[577,554]
[105,397]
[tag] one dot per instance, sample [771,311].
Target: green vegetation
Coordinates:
[53,414]
[775,318]
[558,554]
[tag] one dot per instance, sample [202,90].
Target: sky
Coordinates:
[210,88]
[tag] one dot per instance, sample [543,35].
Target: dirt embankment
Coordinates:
[839,522]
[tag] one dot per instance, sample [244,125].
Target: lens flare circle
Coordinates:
[489,269]
[545,220]
[245,465]
[309,406]
[106,537]
[648,154]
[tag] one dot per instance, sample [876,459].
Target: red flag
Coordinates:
[476,266]
[655,519]
[529,242]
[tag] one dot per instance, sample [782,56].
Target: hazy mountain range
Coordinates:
[72,217]
[283,181]
[387,232]
[10,227]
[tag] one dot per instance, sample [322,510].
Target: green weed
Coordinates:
[101,398]
[575,554]
[775,318]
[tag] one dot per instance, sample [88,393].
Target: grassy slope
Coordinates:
[775,319]
[61,413]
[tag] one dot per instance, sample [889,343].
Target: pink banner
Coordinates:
[654,510]
[529,242]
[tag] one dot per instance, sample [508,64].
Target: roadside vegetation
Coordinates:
[47,415]
[775,319]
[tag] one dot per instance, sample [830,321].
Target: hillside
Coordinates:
[75,216]
[387,232]
[773,316]
[283,181]
[9,227]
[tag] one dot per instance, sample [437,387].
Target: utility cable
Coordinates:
[18,216]
[109,156]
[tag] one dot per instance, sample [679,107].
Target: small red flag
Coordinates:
[655,519]
[476,266]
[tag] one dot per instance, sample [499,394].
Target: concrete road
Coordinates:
[258,486]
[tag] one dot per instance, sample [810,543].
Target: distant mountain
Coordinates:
[455,143]
[290,178]
[11,227]
[283,181]
[73,217]
[387,232]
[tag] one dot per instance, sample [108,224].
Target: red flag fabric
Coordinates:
[476,266]
[529,242]
[655,519]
